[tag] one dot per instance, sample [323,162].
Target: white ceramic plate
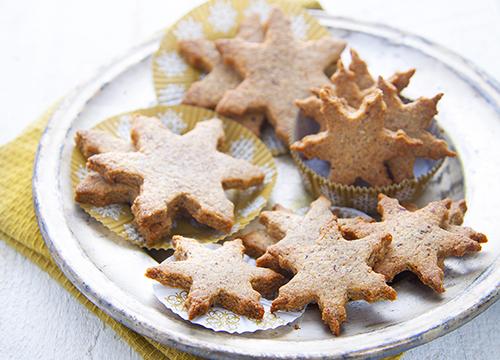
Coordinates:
[109,271]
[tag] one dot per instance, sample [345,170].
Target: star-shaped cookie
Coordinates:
[356,143]
[276,72]
[352,85]
[203,55]
[177,172]
[216,277]
[414,118]
[93,188]
[421,239]
[332,271]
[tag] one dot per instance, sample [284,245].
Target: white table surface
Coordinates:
[50,46]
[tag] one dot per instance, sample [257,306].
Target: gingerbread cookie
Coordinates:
[216,277]
[276,72]
[171,171]
[421,239]
[414,118]
[94,189]
[330,271]
[356,144]
[203,55]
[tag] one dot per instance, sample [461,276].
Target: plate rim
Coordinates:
[483,292]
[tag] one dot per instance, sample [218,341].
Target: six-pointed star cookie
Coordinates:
[203,55]
[345,86]
[414,118]
[93,188]
[421,239]
[330,271]
[276,72]
[216,277]
[356,144]
[177,172]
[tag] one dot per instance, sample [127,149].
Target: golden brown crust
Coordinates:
[256,242]
[91,142]
[94,189]
[351,85]
[216,277]
[330,271]
[171,172]
[207,92]
[276,72]
[356,144]
[421,239]
[414,118]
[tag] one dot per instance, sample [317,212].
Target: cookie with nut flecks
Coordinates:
[356,144]
[292,230]
[352,85]
[421,239]
[170,171]
[203,55]
[415,119]
[216,277]
[276,72]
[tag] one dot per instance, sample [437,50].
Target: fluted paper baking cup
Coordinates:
[239,142]
[220,319]
[314,173]
[217,19]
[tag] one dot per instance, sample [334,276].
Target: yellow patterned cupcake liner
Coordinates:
[239,143]
[217,19]
[360,197]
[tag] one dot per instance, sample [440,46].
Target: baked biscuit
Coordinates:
[203,55]
[421,239]
[276,72]
[171,171]
[356,144]
[216,277]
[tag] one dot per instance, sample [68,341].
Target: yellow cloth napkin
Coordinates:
[19,228]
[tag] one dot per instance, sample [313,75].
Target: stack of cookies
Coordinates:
[368,134]
[322,259]
[259,73]
[162,174]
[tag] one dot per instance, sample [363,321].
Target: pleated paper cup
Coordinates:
[220,19]
[314,173]
[239,143]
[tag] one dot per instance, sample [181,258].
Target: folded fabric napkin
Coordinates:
[19,228]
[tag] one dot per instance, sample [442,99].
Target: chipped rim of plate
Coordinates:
[82,272]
